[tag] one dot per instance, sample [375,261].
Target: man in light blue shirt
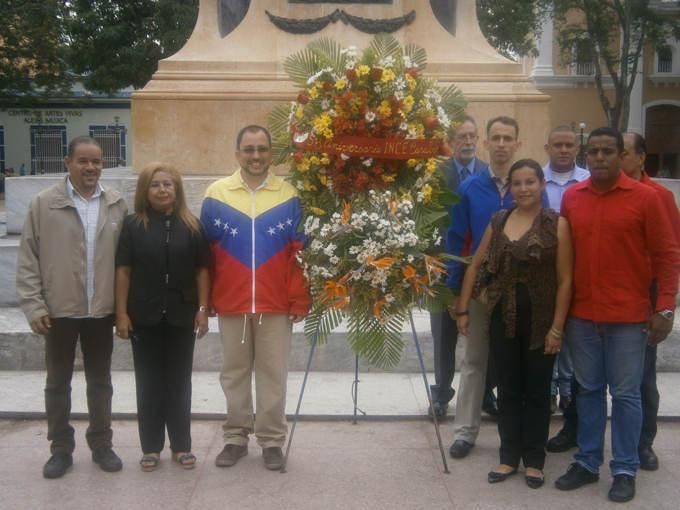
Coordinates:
[562,170]
[560,173]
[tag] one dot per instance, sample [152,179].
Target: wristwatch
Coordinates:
[203,309]
[667,314]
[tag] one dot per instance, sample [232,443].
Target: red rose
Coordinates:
[351,74]
[432,123]
[392,99]
[327,87]
[303,99]
[298,157]
[412,72]
[376,73]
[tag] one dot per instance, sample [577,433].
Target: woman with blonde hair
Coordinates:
[162,292]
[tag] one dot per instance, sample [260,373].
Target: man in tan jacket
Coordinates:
[65,275]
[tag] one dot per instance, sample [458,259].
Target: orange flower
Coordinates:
[435,264]
[383,263]
[408,271]
[376,308]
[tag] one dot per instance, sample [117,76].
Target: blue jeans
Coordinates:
[564,369]
[608,353]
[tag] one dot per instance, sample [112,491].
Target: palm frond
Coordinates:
[326,320]
[381,344]
[281,148]
[442,302]
[278,119]
[385,45]
[418,55]
[301,66]
[328,53]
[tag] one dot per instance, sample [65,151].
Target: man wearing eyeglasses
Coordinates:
[258,292]
[463,143]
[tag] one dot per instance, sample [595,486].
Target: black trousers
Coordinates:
[445,336]
[96,343]
[524,376]
[163,359]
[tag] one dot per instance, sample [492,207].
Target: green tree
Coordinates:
[32,66]
[508,25]
[116,44]
[611,35]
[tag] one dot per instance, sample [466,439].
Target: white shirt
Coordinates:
[89,216]
[555,189]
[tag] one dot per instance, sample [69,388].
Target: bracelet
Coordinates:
[556,333]
[203,309]
[460,314]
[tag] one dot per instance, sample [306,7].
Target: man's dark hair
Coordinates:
[253,128]
[531,164]
[638,142]
[81,140]
[561,129]
[508,121]
[608,131]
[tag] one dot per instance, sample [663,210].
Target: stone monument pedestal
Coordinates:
[191,111]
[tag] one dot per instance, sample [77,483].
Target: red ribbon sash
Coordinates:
[381,148]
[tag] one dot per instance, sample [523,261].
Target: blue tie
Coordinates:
[465,173]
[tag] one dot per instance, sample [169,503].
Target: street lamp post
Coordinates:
[581,155]
[116,128]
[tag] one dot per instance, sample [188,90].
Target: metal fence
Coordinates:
[111,146]
[48,153]
[665,66]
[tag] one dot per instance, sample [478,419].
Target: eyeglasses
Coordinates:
[251,150]
[464,136]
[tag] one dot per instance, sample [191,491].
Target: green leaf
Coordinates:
[442,302]
[328,53]
[385,45]
[418,56]
[278,120]
[449,197]
[281,149]
[380,344]
[323,318]
[301,66]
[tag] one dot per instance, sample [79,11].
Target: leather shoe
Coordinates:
[490,408]
[535,482]
[563,441]
[623,488]
[496,477]
[230,454]
[440,408]
[273,457]
[575,477]
[564,402]
[460,448]
[107,459]
[553,404]
[57,465]
[648,459]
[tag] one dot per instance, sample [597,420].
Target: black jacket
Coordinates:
[163,257]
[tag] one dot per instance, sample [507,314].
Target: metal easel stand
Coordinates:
[429,395]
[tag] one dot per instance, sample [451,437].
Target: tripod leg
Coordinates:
[429,395]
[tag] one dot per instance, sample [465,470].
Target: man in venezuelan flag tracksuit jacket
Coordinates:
[251,219]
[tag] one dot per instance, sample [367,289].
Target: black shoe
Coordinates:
[564,402]
[648,459]
[496,477]
[57,465]
[576,477]
[553,404]
[623,488]
[440,408]
[490,408]
[107,459]
[535,482]
[563,441]
[460,448]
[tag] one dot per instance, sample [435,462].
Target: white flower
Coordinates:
[316,245]
[358,223]
[334,259]
[400,83]
[410,259]
[354,250]
[326,104]
[407,61]
[421,196]
[300,186]
[370,116]
[332,113]
[367,162]
[389,298]
[412,134]
[373,217]
[324,230]
[328,250]
[345,157]
[386,62]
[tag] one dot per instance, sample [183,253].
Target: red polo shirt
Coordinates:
[614,233]
[668,199]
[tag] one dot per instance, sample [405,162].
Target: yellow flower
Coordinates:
[299,113]
[427,191]
[309,187]
[328,134]
[364,70]
[314,160]
[303,165]
[408,103]
[431,166]
[387,178]
[313,92]
[384,108]
[388,75]
[323,179]
[406,196]
[411,81]
[412,162]
[340,84]
[316,210]
[325,160]
[319,84]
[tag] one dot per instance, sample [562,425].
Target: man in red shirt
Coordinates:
[618,227]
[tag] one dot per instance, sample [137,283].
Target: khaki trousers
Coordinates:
[472,376]
[261,341]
